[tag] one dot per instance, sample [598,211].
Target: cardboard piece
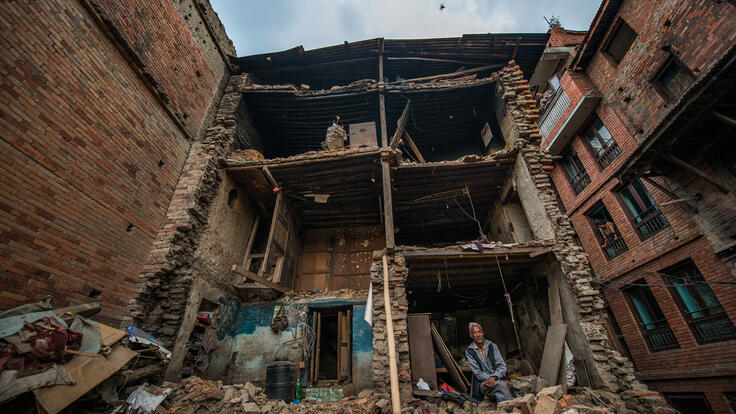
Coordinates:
[88,372]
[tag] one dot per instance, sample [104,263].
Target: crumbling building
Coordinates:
[637,113]
[170,178]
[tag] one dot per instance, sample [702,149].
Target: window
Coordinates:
[576,174]
[689,403]
[698,304]
[600,141]
[606,232]
[673,79]
[650,318]
[554,82]
[621,40]
[642,211]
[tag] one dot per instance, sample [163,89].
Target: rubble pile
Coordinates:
[195,395]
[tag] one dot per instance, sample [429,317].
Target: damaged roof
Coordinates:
[404,58]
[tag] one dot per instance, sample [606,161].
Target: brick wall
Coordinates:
[697,32]
[90,152]
[559,36]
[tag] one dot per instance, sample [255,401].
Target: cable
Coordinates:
[511,307]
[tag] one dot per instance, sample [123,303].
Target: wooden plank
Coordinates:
[554,347]
[393,368]
[421,351]
[400,126]
[449,75]
[343,359]
[274,222]
[448,360]
[247,274]
[555,309]
[414,148]
[677,161]
[382,101]
[87,371]
[388,214]
[248,258]
[317,352]
[279,269]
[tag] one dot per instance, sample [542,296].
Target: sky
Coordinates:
[258,26]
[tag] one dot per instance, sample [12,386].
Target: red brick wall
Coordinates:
[712,388]
[562,37]
[81,144]
[691,359]
[699,33]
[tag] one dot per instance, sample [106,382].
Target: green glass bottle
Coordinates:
[298,389]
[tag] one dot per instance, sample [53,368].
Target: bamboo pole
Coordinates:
[392,369]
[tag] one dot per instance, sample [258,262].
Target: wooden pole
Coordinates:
[392,368]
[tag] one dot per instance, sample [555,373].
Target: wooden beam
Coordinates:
[392,367]
[270,177]
[423,59]
[269,243]
[725,118]
[414,148]
[672,195]
[247,259]
[554,349]
[448,75]
[263,281]
[680,163]
[400,126]
[447,253]
[388,206]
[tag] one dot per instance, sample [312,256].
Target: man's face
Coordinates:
[477,334]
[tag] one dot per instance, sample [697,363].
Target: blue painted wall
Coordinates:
[248,344]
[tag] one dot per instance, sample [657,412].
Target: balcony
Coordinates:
[572,124]
[614,246]
[660,337]
[650,222]
[712,328]
[605,156]
[579,182]
[553,112]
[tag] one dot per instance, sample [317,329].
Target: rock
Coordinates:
[235,400]
[229,394]
[555,392]
[545,405]
[508,405]
[251,408]
[365,393]
[527,403]
[252,389]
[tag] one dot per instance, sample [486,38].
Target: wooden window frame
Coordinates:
[672,59]
[599,237]
[581,174]
[654,214]
[692,322]
[612,37]
[646,333]
[692,395]
[606,146]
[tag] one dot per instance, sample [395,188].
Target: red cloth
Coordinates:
[47,347]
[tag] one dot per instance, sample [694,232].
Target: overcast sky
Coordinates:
[275,25]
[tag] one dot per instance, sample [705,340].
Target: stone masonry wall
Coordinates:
[615,373]
[399,310]
[163,286]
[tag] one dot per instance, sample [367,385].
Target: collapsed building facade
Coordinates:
[637,114]
[216,196]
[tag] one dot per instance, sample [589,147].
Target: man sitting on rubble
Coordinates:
[489,369]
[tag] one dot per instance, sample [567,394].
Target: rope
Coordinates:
[511,307]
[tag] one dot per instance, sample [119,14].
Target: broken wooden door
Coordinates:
[283,246]
[343,339]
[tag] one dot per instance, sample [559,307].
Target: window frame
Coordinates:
[620,22]
[627,292]
[656,211]
[599,236]
[672,59]
[686,314]
[599,156]
[669,396]
[581,174]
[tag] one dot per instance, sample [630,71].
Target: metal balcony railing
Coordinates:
[661,337]
[553,112]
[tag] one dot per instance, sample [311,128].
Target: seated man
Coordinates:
[489,369]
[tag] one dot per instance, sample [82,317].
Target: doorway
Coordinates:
[332,357]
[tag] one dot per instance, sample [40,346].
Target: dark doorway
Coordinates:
[332,357]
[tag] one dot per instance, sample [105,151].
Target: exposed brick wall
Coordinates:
[559,36]
[691,359]
[713,388]
[88,151]
[699,33]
